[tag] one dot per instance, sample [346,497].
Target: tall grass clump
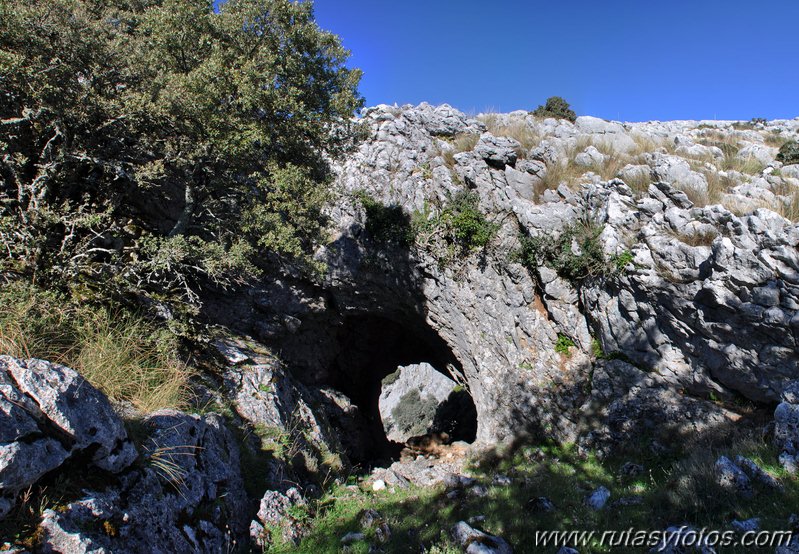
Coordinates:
[774,138]
[119,352]
[463,142]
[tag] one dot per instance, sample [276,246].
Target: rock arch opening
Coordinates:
[404,379]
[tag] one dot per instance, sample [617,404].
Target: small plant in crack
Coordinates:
[622,261]
[597,350]
[164,461]
[564,345]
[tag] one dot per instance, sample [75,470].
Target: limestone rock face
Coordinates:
[786,427]
[700,276]
[188,496]
[410,401]
[269,398]
[48,414]
[628,404]
[697,272]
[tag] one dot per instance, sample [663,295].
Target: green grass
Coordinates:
[417,511]
[672,490]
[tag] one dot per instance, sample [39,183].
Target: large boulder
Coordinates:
[410,400]
[49,414]
[475,541]
[442,120]
[497,151]
[677,172]
[279,408]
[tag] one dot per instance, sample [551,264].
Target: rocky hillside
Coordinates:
[506,298]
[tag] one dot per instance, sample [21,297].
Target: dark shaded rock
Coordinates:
[187,497]
[48,414]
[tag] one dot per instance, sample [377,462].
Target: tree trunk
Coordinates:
[184,220]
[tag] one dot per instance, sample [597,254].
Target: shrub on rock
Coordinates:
[556,107]
[789,153]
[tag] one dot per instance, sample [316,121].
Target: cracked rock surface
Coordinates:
[49,414]
[188,496]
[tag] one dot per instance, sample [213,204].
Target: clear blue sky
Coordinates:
[617,59]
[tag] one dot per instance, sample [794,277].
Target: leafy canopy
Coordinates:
[158,145]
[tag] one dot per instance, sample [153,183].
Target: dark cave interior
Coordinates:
[372,347]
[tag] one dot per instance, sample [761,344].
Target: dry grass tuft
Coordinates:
[697,238]
[645,143]
[717,186]
[112,356]
[121,354]
[566,172]
[559,173]
[749,165]
[464,142]
[519,130]
[729,146]
[774,138]
[789,209]
[639,182]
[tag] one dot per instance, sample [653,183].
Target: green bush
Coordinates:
[119,133]
[789,153]
[576,254]
[386,224]
[470,228]
[556,107]
[454,231]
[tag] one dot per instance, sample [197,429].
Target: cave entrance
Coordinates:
[371,351]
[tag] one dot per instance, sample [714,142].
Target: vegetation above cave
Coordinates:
[155,145]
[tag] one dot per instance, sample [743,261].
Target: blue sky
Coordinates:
[617,59]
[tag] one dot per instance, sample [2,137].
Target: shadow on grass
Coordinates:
[670,488]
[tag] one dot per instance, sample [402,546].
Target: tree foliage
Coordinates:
[158,144]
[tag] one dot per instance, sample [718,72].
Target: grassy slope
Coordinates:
[671,492]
